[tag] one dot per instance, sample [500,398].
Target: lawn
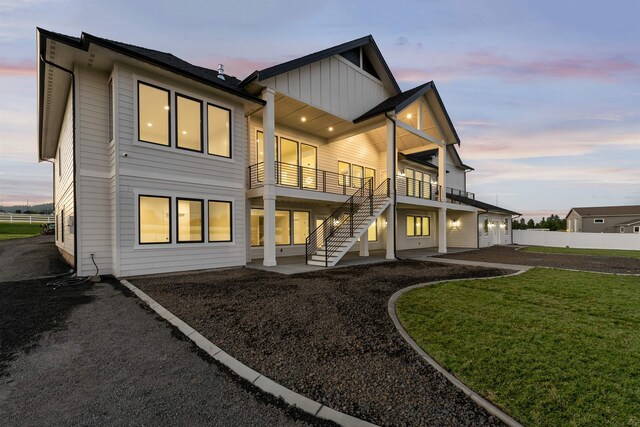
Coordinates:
[549,347]
[18,230]
[577,251]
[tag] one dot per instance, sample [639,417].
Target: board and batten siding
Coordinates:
[333,85]
[94,173]
[64,186]
[167,171]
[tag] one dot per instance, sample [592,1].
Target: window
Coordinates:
[357,172]
[485,225]
[636,228]
[110,110]
[309,162]
[154,219]
[344,169]
[287,170]
[300,227]
[190,213]
[283,227]
[220,221]
[188,123]
[622,229]
[418,226]
[598,220]
[370,173]
[372,233]
[260,147]
[153,114]
[506,226]
[219,131]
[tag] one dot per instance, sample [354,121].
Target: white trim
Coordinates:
[598,220]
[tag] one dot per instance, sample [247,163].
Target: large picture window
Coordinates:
[220,227]
[283,228]
[219,130]
[300,227]
[188,123]
[418,226]
[153,114]
[154,219]
[190,213]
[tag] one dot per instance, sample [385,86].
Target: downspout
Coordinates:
[73,147]
[395,193]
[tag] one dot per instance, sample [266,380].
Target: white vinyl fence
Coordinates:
[30,218]
[562,239]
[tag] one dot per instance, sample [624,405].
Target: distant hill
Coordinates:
[43,208]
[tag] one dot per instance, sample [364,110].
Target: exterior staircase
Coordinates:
[328,243]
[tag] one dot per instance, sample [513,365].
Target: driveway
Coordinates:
[95,355]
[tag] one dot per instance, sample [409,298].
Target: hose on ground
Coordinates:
[71,280]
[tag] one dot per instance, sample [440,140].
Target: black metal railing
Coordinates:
[304,178]
[459,196]
[414,188]
[342,223]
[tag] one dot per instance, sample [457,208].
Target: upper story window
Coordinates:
[598,221]
[191,126]
[188,123]
[358,57]
[219,130]
[153,114]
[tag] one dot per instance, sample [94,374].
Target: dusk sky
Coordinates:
[545,95]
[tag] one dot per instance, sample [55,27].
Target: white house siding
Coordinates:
[168,171]
[488,239]
[64,189]
[334,85]
[465,234]
[95,228]
[417,242]
[455,177]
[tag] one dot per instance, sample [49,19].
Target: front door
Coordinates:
[496,233]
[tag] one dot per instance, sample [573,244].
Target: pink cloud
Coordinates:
[474,64]
[21,68]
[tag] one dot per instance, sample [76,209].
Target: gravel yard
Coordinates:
[326,335]
[509,255]
[29,258]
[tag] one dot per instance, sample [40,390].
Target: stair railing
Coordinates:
[342,223]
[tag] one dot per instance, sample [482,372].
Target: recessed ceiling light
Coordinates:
[330,128]
[409,115]
[303,119]
[149,124]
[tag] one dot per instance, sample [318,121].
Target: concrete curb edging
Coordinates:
[475,397]
[264,383]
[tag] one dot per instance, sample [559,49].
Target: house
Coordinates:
[604,219]
[162,165]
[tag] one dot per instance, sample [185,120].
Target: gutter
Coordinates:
[73,144]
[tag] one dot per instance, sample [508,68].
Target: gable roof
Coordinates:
[402,100]
[481,205]
[426,156]
[631,210]
[154,57]
[317,56]
[631,222]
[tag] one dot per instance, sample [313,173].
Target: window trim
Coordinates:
[636,228]
[362,178]
[308,212]
[485,225]
[140,242]
[177,131]
[622,230]
[598,220]
[303,168]
[189,199]
[230,156]
[422,218]
[142,82]
[230,203]
[346,179]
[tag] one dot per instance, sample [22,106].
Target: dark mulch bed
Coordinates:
[509,255]
[326,335]
[30,308]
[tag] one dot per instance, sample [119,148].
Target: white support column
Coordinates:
[364,244]
[392,160]
[442,213]
[269,195]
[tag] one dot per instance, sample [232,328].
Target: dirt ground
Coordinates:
[326,335]
[29,258]
[510,255]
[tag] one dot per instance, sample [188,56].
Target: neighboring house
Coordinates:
[604,219]
[161,165]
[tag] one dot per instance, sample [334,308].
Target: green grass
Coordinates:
[550,347]
[577,251]
[18,230]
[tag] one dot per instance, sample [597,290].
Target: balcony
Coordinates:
[303,178]
[459,197]
[411,187]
